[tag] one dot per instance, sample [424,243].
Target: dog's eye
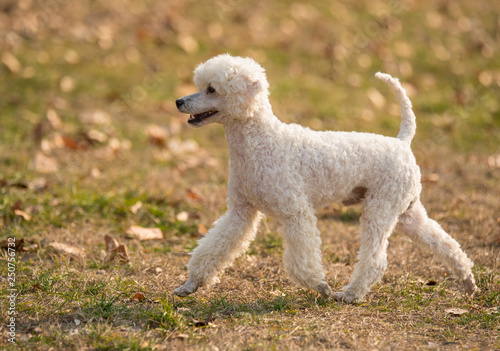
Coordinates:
[210,90]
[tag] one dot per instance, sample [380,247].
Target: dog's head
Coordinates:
[229,88]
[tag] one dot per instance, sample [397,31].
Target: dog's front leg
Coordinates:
[230,237]
[302,257]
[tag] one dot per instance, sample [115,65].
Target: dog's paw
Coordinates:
[345,297]
[470,285]
[187,289]
[324,289]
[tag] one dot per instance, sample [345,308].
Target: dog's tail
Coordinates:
[408,124]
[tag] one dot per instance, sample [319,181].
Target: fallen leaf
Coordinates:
[16,205]
[494,161]
[11,62]
[142,233]
[187,43]
[95,117]
[115,250]
[138,297]
[54,202]
[445,121]
[115,145]
[456,311]
[96,136]
[105,33]
[38,133]
[111,243]
[122,253]
[68,250]
[202,229]
[493,310]
[23,214]
[181,336]
[376,98]
[157,135]
[38,184]
[95,173]
[19,185]
[193,196]
[36,286]
[31,252]
[44,164]
[70,143]
[179,147]
[182,216]
[18,244]
[136,207]
[53,118]
[126,144]
[9,184]
[430,178]
[206,322]
[67,84]
[162,155]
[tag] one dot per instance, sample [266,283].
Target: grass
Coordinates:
[108,75]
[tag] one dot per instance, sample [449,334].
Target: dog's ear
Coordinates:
[253,87]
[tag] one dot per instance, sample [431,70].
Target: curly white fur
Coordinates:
[288,171]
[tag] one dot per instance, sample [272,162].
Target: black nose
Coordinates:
[179,102]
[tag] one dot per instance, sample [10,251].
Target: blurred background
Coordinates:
[130,60]
[88,88]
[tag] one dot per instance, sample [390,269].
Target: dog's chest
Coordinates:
[268,187]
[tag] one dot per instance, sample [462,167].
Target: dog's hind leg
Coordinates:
[377,222]
[302,257]
[229,238]
[429,234]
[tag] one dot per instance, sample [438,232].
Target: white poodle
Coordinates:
[288,171]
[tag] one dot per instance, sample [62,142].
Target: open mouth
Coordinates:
[193,119]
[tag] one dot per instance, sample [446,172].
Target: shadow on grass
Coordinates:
[225,306]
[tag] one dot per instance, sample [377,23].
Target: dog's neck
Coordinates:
[241,132]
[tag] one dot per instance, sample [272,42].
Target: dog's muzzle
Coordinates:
[197,118]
